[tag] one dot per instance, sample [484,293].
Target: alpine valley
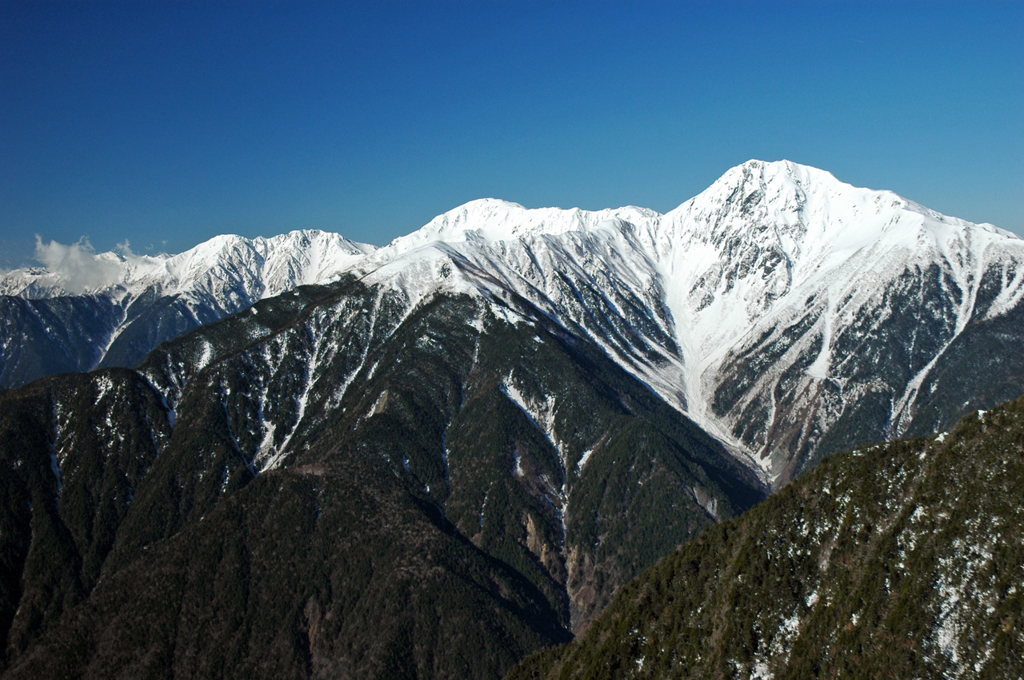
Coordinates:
[307,457]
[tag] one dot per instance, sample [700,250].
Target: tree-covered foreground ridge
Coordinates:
[904,560]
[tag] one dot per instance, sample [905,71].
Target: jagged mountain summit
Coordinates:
[111,310]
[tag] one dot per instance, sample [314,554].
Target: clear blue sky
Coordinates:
[167,123]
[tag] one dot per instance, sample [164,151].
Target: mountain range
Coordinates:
[307,457]
[93,311]
[788,314]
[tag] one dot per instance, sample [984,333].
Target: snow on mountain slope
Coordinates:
[782,276]
[769,308]
[93,310]
[799,228]
[261,267]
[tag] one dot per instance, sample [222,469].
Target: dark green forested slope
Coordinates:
[900,561]
[339,484]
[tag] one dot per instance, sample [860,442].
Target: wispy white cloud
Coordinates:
[78,267]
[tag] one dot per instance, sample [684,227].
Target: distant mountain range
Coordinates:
[126,306]
[453,450]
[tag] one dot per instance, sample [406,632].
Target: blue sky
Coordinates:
[168,123]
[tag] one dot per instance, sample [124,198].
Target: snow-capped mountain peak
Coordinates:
[777,269]
[88,310]
[262,266]
[492,220]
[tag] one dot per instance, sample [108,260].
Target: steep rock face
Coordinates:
[905,556]
[49,323]
[362,482]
